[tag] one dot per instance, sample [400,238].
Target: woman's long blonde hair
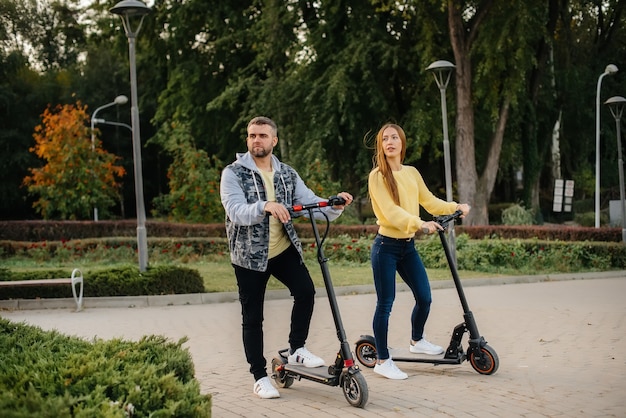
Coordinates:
[380,160]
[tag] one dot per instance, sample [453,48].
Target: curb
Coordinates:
[226,297]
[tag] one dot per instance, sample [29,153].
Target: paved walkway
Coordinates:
[560,343]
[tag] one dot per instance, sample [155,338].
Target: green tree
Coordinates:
[357,76]
[33,73]
[492,58]
[201,48]
[78,175]
[103,73]
[315,169]
[46,31]
[598,31]
[194,179]
[330,73]
[504,69]
[544,109]
[18,87]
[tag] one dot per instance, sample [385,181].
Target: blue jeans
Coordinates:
[389,255]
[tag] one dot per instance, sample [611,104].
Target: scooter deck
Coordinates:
[318,374]
[403,354]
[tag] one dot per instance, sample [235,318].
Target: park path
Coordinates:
[560,345]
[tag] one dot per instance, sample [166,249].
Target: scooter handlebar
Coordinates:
[446,219]
[332,201]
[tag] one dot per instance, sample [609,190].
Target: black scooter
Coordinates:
[344,372]
[481,356]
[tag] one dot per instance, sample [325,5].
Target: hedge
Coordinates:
[37,231]
[47,374]
[121,281]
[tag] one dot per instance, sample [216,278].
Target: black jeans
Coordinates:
[289,269]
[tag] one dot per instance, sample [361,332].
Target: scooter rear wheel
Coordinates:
[282,379]
[355,389]
[484,362]
[366,351]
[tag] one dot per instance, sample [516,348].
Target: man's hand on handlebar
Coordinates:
[278,211]
[282,214]
[345,196]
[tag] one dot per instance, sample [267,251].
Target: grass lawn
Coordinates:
[219,275]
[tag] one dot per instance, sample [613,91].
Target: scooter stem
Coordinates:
[332,298]
[470,323]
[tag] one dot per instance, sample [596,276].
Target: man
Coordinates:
[256,192]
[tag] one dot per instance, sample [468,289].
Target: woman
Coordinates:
[397,191]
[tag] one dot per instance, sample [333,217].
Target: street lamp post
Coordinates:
[119,100]
[128,10]
[616,104]
[609,70]
[442,71]
[112,123]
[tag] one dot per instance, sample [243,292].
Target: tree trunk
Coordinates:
[479,215]
[472,190]
[464,142]
[466,174]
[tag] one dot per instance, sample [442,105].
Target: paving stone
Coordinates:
[560,345]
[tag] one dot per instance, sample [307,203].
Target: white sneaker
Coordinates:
[302,356]
[424,347]
[264,389]
[390,370]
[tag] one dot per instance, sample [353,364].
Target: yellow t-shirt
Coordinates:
[403,221]
[279,241]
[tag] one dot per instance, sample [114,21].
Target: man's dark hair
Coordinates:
[263,120]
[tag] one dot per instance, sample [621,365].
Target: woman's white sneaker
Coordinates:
[264,389]
[424,347]
[389,370]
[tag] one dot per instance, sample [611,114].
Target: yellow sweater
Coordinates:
[403,221]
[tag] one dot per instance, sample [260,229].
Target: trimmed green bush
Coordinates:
[47,374]
[122,281]
[529,256]
[517,215]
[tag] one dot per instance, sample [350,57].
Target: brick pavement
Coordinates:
[560,345]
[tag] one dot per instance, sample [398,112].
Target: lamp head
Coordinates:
[442,70]
[610,69]
[440,65]
[130,8]
[615,100]
[616,106]
[120,100]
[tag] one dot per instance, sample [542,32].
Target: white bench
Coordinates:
[74,281]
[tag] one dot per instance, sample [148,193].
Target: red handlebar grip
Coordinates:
[298,208]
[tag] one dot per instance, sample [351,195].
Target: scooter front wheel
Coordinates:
[355,389]
[282,379]
[484,361]
[366,351]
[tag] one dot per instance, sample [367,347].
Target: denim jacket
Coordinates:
[244,197]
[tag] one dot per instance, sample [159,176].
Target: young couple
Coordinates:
[256,191]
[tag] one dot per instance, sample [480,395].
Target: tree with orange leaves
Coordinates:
[76,176]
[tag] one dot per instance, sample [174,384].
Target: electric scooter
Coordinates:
[481,356]
[344,371]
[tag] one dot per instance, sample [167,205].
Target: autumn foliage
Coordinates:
[77,176]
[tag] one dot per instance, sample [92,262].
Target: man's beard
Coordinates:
[260,152]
